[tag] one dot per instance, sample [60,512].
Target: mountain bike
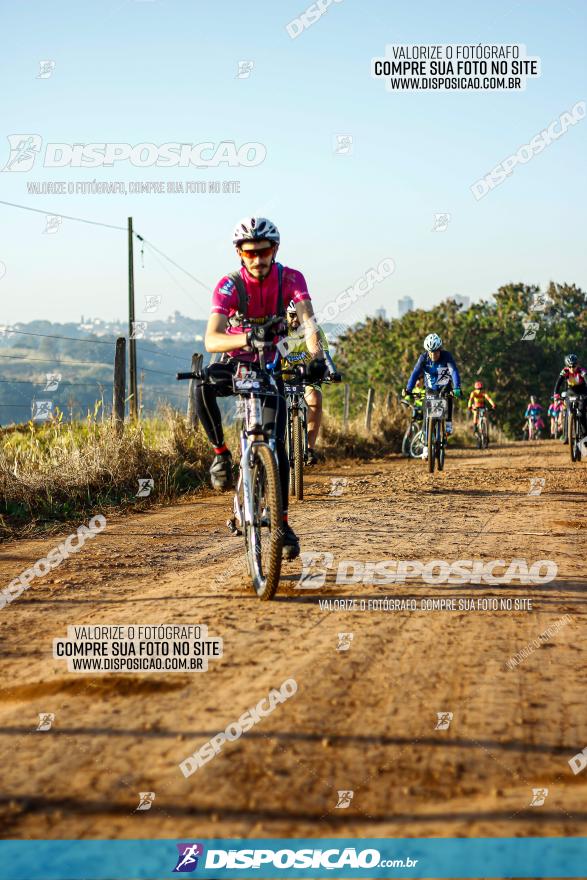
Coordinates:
[297,422]
[257,506]
[555,426]
[482,428]
[533,428]
[413,441]
[297,428]
[565,419]
[575,404]
[435,413]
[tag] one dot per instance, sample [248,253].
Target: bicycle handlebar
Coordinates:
[188,376]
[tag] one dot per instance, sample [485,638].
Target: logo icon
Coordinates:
[46,68]
[444,719]
[145,486]
[312,577]
[46,719]
[244,69]
[139,329]
[530,330]
[152,302]
[344,799]
[441,222]
[53,222]
[344,641]
[42,410]
[187,860]
[539,302]
[52,383]
[337,486]
[343,144]
[23,151]
[146,799]
[539,795]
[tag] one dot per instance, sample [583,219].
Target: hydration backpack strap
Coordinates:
[280,303]
[243,302]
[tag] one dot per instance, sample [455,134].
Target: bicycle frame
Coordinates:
[265,387]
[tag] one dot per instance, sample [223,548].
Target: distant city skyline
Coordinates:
[405,304]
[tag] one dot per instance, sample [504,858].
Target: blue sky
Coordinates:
[158,71]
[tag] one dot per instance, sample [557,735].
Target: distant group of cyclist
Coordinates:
[571,383]
[237,332]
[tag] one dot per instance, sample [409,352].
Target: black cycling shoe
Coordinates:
[291,544]
[221,472]
[311,457]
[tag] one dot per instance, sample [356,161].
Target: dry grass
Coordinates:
[385,436]
[56,472]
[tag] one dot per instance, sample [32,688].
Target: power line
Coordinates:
[173,263]
[72,338]
[18,357]
[62,382]
[173,278]
[66,216]
[160,352]
[161,373]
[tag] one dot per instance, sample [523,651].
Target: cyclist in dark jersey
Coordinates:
[574,377]
[256,240]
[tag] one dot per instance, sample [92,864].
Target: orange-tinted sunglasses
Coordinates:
[258,252]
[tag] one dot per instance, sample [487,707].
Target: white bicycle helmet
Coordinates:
[291,308]
[571,360]
[255,229]
[432,342]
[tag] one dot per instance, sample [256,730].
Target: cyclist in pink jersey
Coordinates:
[262,288]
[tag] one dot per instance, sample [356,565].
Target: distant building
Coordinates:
[405,304]
[381,313]
[463,301]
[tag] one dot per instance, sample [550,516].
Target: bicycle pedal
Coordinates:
[233,529]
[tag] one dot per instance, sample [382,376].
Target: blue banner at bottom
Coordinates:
[276,858]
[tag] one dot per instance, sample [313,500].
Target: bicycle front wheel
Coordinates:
[298,457]
[264,535]
[431,444]
[574,437]
[440,441]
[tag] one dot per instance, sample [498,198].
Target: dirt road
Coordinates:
[364,719]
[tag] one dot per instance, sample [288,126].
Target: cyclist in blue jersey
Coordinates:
[439,370]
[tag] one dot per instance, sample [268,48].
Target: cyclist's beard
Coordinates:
[260,277]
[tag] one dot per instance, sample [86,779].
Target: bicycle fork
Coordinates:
[244,514]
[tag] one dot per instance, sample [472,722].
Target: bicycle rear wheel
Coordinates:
[484,434]
[431,444]
[440,441]
[298,457]
[417,445]
[574,437]
[264,536]
[407,441]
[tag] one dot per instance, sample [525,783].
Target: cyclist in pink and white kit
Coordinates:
[262,288]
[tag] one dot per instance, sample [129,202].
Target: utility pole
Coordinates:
[141,394]
[132,360]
